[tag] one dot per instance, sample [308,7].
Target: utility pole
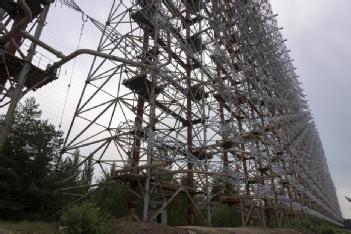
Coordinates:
[18,93]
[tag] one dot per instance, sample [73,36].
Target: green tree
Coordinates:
[87,172]
[10,188]
[177,210]
[216,189]
[66,171]
[27,163]
[112,197]
[68,176]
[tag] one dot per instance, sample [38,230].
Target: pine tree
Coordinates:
[27,164]
[67,173]
[88,172]
[32,170]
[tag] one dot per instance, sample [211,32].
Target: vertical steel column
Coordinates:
[140,105]
[244,160]
[152,122]
[135,154]
[190,175]
[222,119]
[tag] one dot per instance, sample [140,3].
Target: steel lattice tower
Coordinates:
[216,98]
[208,94]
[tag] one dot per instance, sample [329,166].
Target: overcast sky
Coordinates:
[318,33]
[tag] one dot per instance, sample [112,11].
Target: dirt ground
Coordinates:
[148,228]
[211,230]
[153,228]
[127,227]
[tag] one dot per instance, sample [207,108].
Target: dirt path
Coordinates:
[153,228]
[211,230]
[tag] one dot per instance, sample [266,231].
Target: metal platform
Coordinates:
[11,66]
[141,85]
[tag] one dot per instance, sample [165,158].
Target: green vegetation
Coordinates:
[28,226]
[225,216]
[32,171]
[347,223]
[313,225]
[177,210]
[301,224]
[85,218]
[107,195]
[27,165]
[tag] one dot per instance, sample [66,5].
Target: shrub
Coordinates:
[225,217]
[86,218]
[300,223]
[177,211]
[112,197]
[326,229]
[347,223]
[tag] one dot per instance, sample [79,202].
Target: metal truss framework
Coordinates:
[211,98]
[18,74]
[216,99]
